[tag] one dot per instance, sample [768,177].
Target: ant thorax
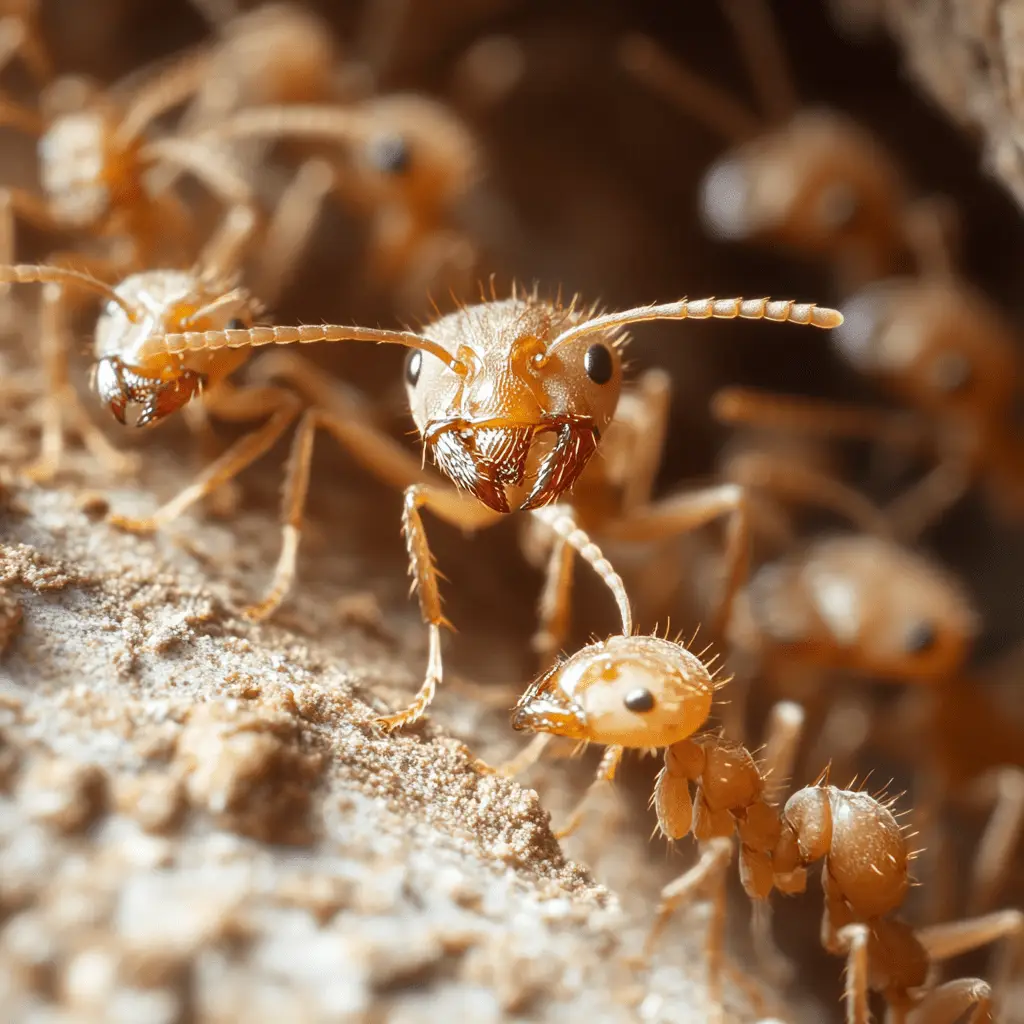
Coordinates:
[516,423]
[164,302]
[75,168]
[634,691]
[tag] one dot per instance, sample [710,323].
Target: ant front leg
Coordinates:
[606,770]
[62,408]
[241,405]
[1003,929]
[460,510]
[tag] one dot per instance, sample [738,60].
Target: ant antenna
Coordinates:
[757,36]
[29,273]
[304,334]
[777,310]
[692,93]
[297,121]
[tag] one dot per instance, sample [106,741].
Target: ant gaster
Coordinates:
[645,692]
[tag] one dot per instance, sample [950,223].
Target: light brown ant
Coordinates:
[646,693]
[407,160]
[809,179]
[942,348]
[94,159]
[512,403]
[157,301]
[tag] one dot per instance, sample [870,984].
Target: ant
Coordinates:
[408,161]
[944,349]
[153,301]
[512,403]
[647,692]
[94,159]
[811,180]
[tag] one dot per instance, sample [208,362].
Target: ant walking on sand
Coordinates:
[511,397]
[647,693]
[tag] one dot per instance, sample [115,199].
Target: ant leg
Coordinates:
[296,486]
[279,405]
[61,402]
[853,940]
[291,227]
[999,840]
[1005,927]
[553,608]
[948,1003]
[526,758]
[225,248]
[643,410]
[20,35]
[461,510]
[832,420]
[681,513]
[605,773]
[169,88]
[925,502]
[757,36]
[792,481]
[710,868]
[785,726]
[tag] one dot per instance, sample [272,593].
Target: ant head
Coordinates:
[867,605]
[77,168]
[305,56]
[637,691]
[156,303]
[818,184]
[526,407]
[416,150]
[935,343]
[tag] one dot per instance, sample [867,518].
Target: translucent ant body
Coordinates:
[941,347]
[646,693]
[811,180]
[157,384]
[94,162]
[407,161]
[511,398]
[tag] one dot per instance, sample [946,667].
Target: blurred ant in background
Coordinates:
[808,179]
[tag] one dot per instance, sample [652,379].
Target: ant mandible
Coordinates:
[647,692]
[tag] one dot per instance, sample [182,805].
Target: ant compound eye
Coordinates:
[921,638]
[389,154]
[641,699]
[951,372]
[837,205]
[413,365]
[236,325]
[598,363]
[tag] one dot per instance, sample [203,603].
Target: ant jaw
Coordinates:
[119,387]
[485,460]
[562,466]
[547,715]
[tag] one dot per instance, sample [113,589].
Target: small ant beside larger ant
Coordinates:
[511,397]
[646,693]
